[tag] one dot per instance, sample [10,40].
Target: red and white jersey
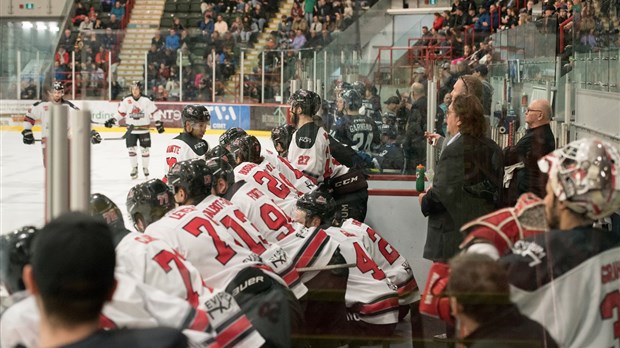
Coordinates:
[304,248]
[184,147]
[138,113]
[281,168]
[136,305]
[153,262]
[309,152]
[40,112]
[245,234]
[370,294]
[205,243]
[271,186]
[396,268]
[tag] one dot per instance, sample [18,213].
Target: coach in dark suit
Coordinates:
[467,179]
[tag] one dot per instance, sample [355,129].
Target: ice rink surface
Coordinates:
[22,174]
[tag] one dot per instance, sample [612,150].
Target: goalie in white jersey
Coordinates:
[223,264]
[189,144]
[39,112]
[138,109]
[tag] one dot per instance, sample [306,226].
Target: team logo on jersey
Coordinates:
[220,303]
[278,257]
[136,113]
[531,250]
[305,140]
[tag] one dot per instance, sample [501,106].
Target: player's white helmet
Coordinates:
[585,175]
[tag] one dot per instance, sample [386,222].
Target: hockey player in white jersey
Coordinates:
[247,148]
[223,264]
[281,137]
[371,298]
[189,144]
[309,150]
[138,109]
[191,177]
[39,112]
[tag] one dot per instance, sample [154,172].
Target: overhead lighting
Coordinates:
[27,25]
[54,27]
[41,26]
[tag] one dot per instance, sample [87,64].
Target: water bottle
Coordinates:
[419,181]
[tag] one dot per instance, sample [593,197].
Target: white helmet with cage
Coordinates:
[585,175]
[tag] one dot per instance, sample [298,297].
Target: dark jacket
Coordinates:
[509,329]
[467,178]
[536,143]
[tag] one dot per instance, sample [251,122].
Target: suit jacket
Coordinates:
[536,143]
[465,186]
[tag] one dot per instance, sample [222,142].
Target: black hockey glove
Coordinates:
[109,123]
[28,136]
[160,126]
[95,137]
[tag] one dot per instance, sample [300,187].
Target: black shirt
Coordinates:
[154,337]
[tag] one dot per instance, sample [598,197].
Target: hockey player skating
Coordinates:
[40,111]
[138,109]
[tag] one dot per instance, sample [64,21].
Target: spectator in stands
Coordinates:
[67,41]
[160,93]
[495,18]
[328,23]
[97,77]
[173,41]
[482,24]
[309,10]
[284,27]
[249,28]
[62,57]
[118,11]
[323,9]
[316,25]
[176,24]
[80,13]
[348,12]
[235,29]
[114,23]
[158,41]
[85,25]
[98,24]
[29,89]
[480,301]
[510,20]
[339,24]
[106,5]
[259,16]
[204,5]
[101,57]
[108,41]
[297,10]
[299,24]
[530,7]
[299,41]
[207,25]
[220,25]
[438,21]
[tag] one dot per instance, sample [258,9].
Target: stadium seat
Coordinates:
[183,6]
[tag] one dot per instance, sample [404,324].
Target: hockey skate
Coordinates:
[146,172]
[134,173]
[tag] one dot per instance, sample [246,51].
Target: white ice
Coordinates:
[22,174]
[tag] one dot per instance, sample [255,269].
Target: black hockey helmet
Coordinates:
[193,176]
[389,130]
[151,199]
[221,169]
[195,113]
[231,134]
[247,148]
[103,207]
[310,102]
[282,135]
[58,86]
[359,87]
[319,203]
[219,151]
[15,253]
[352,99]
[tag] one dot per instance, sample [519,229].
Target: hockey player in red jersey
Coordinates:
[189,144]
[138,109]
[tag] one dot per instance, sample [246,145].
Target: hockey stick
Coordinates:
[325,268]
[129,130]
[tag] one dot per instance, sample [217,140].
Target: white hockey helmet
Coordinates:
[585,175]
